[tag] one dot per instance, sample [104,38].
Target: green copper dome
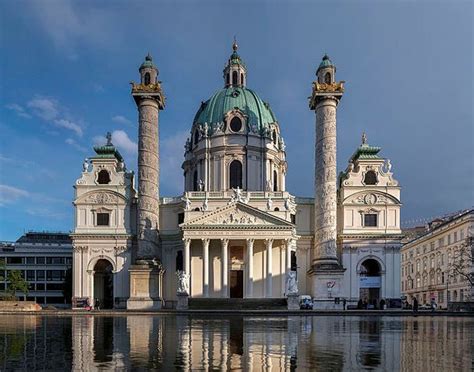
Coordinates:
[213,110]
[148,62]
[326,62]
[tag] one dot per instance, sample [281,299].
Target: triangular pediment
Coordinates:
[238,215]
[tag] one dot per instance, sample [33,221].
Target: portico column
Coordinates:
[225,267]
[269,278]
[250,267]
[187,256]
[289,244]
[205,258]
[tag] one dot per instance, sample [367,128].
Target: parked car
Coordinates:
[306,302]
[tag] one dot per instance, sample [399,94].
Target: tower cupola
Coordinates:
[235,72]
[326,71]
[148,71]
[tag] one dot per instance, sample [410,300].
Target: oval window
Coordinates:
[235,124]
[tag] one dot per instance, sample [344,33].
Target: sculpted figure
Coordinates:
[85,165]
[291,283]
[187,203]
[205,205]
[201,185]
[269,204]
[183,282]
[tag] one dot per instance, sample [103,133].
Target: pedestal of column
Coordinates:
[183,301]
[293,302]
[145,281]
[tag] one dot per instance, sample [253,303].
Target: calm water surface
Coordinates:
[250,343]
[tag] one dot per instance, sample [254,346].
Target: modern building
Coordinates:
[236,231]
[435,264]
[43,258]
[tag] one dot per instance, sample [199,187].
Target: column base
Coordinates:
[183,301]
[144,287]
[327,277]
[293,302]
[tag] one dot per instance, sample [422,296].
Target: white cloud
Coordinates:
[44,107]
[119,119]
[10,194]
[45,213]
[121,140]
[76,145]
[63,123]
[19,110]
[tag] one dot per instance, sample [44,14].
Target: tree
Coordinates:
[463,262]
[17,283]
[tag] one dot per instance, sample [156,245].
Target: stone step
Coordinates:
[237,303]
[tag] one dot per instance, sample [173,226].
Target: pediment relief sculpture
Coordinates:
[102,197]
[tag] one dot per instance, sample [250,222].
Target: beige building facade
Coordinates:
[435,265]
[236,231]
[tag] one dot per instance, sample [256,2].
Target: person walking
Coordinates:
[415,305]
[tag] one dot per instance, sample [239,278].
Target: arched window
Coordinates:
[228,79]
[235,124]
[241,79]
[327,78]
[195,180]
[294,264]
[370,178]
[274,137]
[235,174]
[234,78]
[196,137]
[277,209]
[275,180]
[147,78]
[103,178]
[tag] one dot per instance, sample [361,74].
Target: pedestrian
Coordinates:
[344,303]
[97,304]
[382,304]
[433,305]
[415,305]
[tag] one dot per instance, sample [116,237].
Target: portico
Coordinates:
[238,251]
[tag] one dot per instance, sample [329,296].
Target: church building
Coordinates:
[236,231]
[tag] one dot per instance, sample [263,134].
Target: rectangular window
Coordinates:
[54,286]
[180,218]
[449,239]
[462,234]
[432,245]
[40,286]
[103,219]
[30,260]
[293,219]
[30,275]
[54,260]
[40,260]
[455,236]
[68,260]
[440,242]
[54,275]
[15,260]
[40,275]
[370,220]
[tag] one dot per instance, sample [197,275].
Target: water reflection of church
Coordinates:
[235,230]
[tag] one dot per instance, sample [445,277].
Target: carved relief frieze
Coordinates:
[102,197]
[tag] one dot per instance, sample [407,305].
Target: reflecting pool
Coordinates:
[251,343]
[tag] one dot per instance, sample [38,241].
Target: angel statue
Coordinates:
[183,283]
[291,283]
[85,165]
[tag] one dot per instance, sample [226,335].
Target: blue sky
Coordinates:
[66,66]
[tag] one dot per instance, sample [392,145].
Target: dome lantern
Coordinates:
[235,72]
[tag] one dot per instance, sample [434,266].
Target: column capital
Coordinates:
[224,242]
[205,241]
[186,240]
[250,242]
[268,242]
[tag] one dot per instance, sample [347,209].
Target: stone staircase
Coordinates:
[237,304]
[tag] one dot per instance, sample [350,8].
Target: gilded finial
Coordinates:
[109,138]
[235,46]
[364,138]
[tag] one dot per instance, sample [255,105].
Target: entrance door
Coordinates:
[236,283]
[103,284]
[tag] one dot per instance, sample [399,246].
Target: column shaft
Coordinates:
[289,244]
[187,256]
[325,201]
[205,257]
[249,268]
[148,178]
[225,267]
[269,278]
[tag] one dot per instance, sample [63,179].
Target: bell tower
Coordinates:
[146,273]
[326,271]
